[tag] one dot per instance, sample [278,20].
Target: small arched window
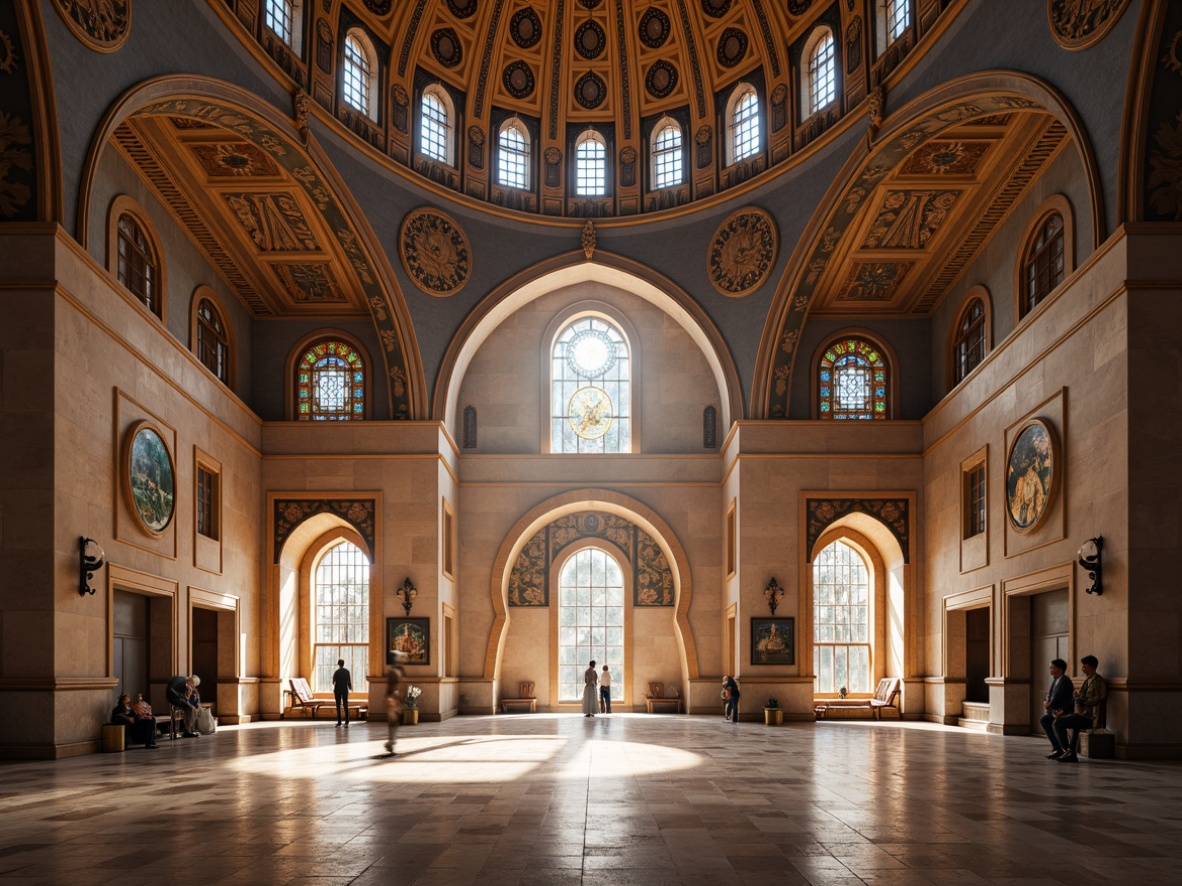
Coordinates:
[437,125]
[968,349]
[590,165]
[743,123]
[853,381]
[330,382]
[359,73]
[590,388]
[822,71]
[138,268]
[213,340]
[1044,265]
[667,154]
[284,17]
[513,155]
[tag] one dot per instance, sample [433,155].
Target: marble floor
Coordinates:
[560,799]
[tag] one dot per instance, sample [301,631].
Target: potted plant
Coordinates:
[773,714]
[843,692]
[410,706]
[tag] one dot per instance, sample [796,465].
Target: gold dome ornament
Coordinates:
[743,252]
[590,412]
[434,252]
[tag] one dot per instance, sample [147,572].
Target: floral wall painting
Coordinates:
[773,641]
[409,635]
[149,477]
[1032,475]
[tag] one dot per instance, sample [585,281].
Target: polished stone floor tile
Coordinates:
[552,800]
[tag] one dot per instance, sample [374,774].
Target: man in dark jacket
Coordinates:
[342,685]
[182,693]
[1059,698]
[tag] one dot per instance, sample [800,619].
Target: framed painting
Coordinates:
[773,641]
[149,477]
[1032,475]
[409,635]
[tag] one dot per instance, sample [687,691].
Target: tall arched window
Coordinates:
[358,74]
[284,18]
[513,155]
[822,71]
[330,382]
[213,340]
[841,620]
[1043,266]
[853,381]
[590,621]
[591,388]
[743,123]
[138,267]
[898,18]
[968,349]
[340,602]
[591,165]
[667,155]
[437,125]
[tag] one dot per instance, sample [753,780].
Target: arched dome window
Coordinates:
[591,165]
[285,17]
[897,16]
[971,342]
[590,388]
[330,382]
[822,70]
[212,339]
[358,73]
[743,124]
[513,154]
[853,381]
[1043,265]
[138,267]
[668,163]
[437,125]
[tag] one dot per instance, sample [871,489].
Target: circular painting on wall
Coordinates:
[149,478]
[1031,475]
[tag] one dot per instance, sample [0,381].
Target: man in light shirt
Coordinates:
[605,691]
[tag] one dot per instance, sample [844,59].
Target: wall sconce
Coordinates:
[1090,558]
[408,593]
[773,592]
[90,561]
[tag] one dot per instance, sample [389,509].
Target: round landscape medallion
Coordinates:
[445,46]
[149,478]
[732,46]
[525,27]
[590,412]
[1031,475]
[518,79]
[590,91]
[661,79]
[590,40]
[742,252]
[654,28]
[102,25]
[434,252]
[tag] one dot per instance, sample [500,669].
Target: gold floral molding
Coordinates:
[102,25]
[743,252]
[434,252]
[1079,24]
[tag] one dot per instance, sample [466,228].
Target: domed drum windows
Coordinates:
[513,155]
[357,74]
[898,18]
[281,18]
[744,123]
[590,165]
[822,77]
[590,389]
[668,169]
[435,125]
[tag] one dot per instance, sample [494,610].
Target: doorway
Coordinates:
[1050,624]
[130,639]
[976,657]
[205,653]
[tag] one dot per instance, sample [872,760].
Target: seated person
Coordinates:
[140,730]
[182,693]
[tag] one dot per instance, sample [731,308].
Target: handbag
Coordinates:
[206,724]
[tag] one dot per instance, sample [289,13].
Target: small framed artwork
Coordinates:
[149,477]
[1032,475]
[409,635]
[773,641]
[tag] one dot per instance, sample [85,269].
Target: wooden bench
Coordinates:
[656,702]
[885,696]
[525,703]
[304,701]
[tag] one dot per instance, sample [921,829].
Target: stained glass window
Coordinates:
[513,156]
[137,264]
[853,381]
[667,156]
[341,617]
[358,74]
[213,344]
[590,622]
[745,125]
[1044,266]
[330,383]
[591,389]
[969,348]
[822,74]
[841,621]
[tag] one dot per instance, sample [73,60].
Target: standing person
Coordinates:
[605,691]
[182,693]
[590,695]
[1058,699]
[342,685]
[731,692]
[1087,706]
[140,730]
[393,700]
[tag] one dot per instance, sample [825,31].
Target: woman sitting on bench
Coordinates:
[140,730]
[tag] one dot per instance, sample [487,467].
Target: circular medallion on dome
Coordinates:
[462,8]
[445,46]
[525,27]
[518,80]
[590,91]
[661,79]
[434,252]
[590,353]
[100,26]
[743,252]
[589,4]
[378,7]
[590,412]
[732,46]
[716,8]
[799,7]
[590,40]
[654,28]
